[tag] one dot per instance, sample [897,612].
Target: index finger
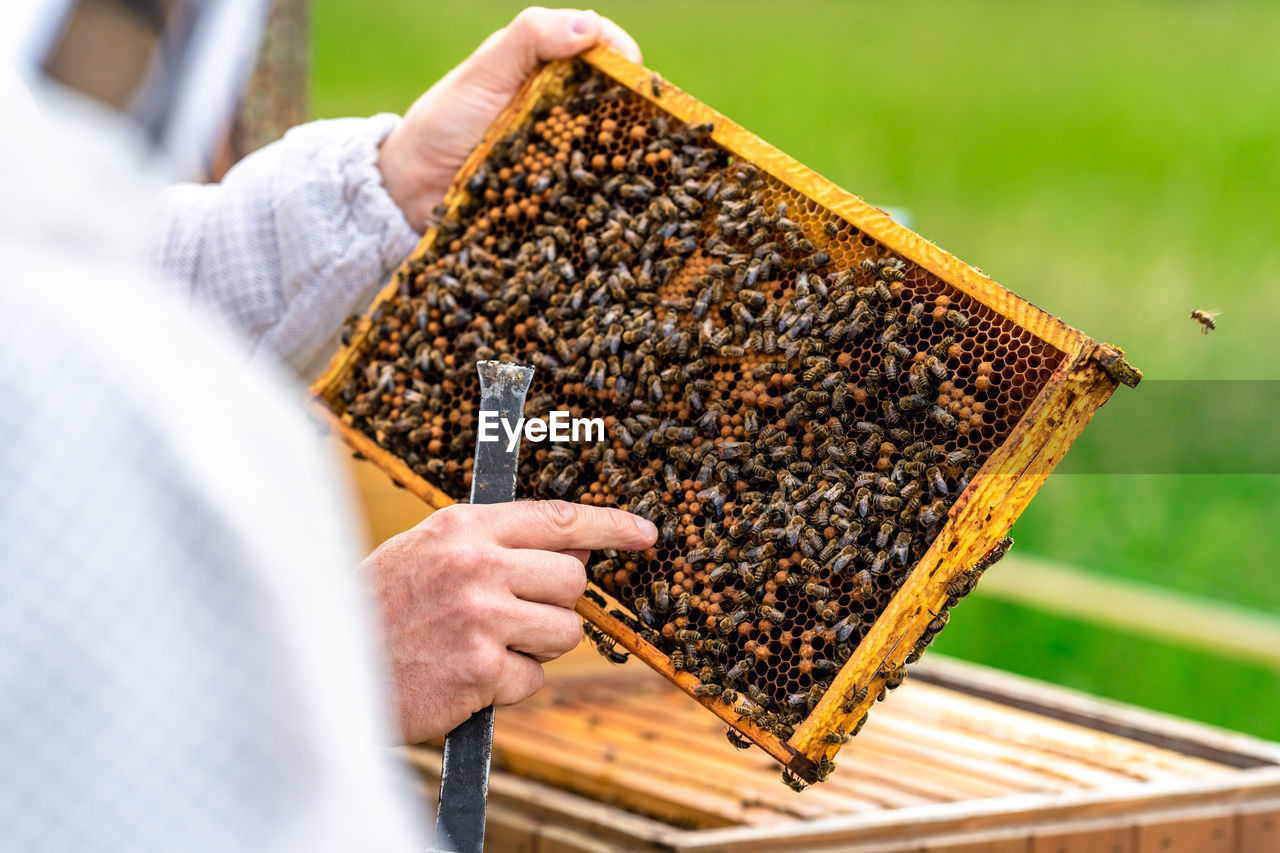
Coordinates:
[563,526]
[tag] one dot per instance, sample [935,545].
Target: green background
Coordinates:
[1116,163]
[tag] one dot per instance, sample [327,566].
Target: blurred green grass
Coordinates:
[1115,163]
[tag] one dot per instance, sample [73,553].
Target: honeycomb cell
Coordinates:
[794,407]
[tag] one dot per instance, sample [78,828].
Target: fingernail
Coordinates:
[581,23]
[646,527]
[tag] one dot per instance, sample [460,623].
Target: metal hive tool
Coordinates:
[832,421]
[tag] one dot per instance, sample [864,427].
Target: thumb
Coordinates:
[510,55]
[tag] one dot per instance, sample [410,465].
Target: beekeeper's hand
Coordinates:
[476,598]
[420,157]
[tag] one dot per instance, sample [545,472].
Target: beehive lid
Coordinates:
[632,739]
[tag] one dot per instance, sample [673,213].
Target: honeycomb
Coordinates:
[794,407]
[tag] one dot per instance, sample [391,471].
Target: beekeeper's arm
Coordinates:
[299,235]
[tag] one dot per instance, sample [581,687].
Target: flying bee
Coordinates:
[1205,319]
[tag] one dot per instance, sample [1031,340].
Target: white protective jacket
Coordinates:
[187,658]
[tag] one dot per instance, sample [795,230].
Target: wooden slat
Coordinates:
[1053,737]
[1015,843]
[1208,831]
[1258,828]
[981,759]
[630,738]
[555,839]
[728,797]
[862,790]
[564,763]
[1053,772]
[702,755]
[1173,734]
[510,831]
[1076,838]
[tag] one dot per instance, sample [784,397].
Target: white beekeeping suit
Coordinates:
[187,661]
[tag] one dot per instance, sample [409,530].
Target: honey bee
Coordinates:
[854,700]
[707,690]
[941,417]
[738,741]
[793,781]
[825,767]
[655,84]
[740,669]
[1205,319]
[645,611]
[772,614]
[995,554]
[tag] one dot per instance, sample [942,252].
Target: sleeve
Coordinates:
[296,237]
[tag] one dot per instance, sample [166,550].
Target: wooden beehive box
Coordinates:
[1019,387]
[962,759]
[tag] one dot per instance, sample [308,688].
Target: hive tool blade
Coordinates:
[464,776]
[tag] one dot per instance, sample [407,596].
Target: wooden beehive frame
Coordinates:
[984,512]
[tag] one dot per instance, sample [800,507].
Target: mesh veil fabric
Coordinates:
[186,658]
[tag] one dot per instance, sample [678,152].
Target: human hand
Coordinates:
[420,157]
[477,597]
